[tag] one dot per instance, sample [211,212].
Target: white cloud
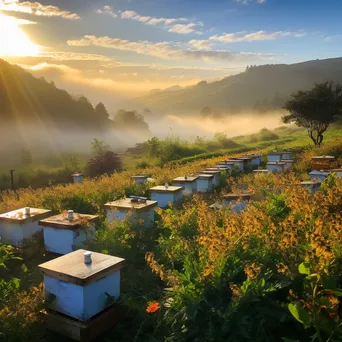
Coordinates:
[166,50]
[150,20]
[245,2]
[74,56]
[254,36]
[36,8]
[200,44]
[184,28]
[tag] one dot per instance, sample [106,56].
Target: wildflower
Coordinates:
[152,307]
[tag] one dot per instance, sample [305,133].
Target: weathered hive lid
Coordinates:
[287,160]
[336,170]
[261,171]
[234,161]
[188,179]
[216,169]
[323,157]
[19,216]
[233,196]
[205,176]
[245,158]
[208,172]
[61,221]
[70,268]
[128,204]
[162,188]
[225,162]
[310,183]
[141,176]
[319,173]
[275,153]
[77,175]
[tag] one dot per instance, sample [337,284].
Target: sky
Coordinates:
[124,48]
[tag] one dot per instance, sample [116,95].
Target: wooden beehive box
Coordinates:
[136,212]
[318,175]
[225,165]
[312,186]
[17,225]
[322,163]
[77,177]
[189,184]
[275,166]
[236,201]
[166,194]
[140,179]
[288,163]
[62,235]
[275,156]
[80,290]
[237,163]
[215,173]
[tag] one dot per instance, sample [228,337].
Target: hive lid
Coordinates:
[162,188]
[323,157]
[127,204]
[319,173]
[70,268]
[205,176]
[141,176]
[61,221]
[77,175]
[310,183]
[276,153]
[18,216]
[234,161]
[275,163]
[245,158]
[219,168]
[234,196]
[209,172]
[261,171]
[189,179]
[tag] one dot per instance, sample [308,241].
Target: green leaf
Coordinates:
[304,268]
[24,268]
[328,282]
[285,339]
[104,251]
[300,314]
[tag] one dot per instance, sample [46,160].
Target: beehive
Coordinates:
[226,165]
[236,202]
[140,179]
[237,163]
[261,171]
[77,177]
[246,160]
[275,156]
[20,224]
[205,182]
[167,194]
[322,163]
[275,166]
[81,290]
[256,159]
[288,163]
[216,173]
[312,186]
[287,155]
[134,211]
[337,171]
[63,235]
[318,175]
[189,184]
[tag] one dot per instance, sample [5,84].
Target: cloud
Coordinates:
[74,56]
[245,2]
[200,44]
[176,27]
[165,50]
[254,36]
[36,8]
[184,28]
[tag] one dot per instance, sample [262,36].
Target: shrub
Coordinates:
[106,162]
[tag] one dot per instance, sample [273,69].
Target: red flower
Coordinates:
[152,307]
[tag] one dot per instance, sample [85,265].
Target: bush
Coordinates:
[106,162]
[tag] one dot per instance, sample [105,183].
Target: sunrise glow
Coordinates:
[13,40]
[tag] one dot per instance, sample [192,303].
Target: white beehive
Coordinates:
[226,165]
[337,171]
[216,173]
[17,225]
[236,202]
[275,166]
[140,179]
[288,163]
[312,186]
[166,194]
[275,156]
[318,175]
[135,211]
[189,183]
[64,233]
[205,182]
[81,290]
[237,163]
[256,159]
[247,160]
[77,177]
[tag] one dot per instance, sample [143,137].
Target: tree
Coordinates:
[315,109]
[99,147]
[106,162]
[101,112]
[130,120]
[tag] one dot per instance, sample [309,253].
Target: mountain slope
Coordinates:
[270,84]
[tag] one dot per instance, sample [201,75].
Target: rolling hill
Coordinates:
[262,88]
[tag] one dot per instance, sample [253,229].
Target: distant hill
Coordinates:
[26,100]
[260,88]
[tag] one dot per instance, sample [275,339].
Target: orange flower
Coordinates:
[152,307]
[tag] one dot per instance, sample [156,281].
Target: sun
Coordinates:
[13,40]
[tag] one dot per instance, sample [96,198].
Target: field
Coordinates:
[272,273]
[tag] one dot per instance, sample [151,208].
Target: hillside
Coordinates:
[25,100]
[260,88]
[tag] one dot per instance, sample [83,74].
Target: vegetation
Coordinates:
[315,109]
[271,273]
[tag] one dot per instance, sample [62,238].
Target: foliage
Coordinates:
[315,109]
[130,120]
